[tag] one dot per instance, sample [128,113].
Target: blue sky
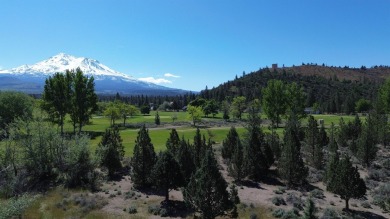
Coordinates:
[202,42]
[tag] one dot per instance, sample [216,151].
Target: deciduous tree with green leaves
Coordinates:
[194,113]
[238,106]
[274,101]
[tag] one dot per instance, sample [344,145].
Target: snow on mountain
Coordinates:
[30,78]
[62,62]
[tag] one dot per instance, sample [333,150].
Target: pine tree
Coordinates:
[346,182]
[236,164]
[110,151]
[273,141]
[157,119]
[166,173]
[143,159]
[230,143]
[310,209]
[173,142]
[206,192]
[291,167]
[185,159]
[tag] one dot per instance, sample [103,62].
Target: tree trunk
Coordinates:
[346,204]
[124,121]
[167,195]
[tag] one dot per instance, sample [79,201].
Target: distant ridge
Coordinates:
[31,78]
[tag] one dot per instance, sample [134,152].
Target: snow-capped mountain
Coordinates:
[31,78]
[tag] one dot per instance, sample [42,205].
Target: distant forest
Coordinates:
[331,89]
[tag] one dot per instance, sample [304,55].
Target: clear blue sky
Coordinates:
[203,42]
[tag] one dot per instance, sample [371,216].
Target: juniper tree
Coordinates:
[236,166]
[110,151]
[366,146]
[332,147]
[342,134]
[331,167]
[273,141]
[314,147]
[291,167]
[310,209]
[206,192]
[185,159]
[166,173]
[173,142]
[200,147]
[346,182]
[230,143]
[143,159]
[323,138]
[157,119]
[234,200]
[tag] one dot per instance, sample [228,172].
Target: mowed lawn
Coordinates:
[160,135]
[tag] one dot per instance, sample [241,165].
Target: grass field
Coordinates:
[159,136]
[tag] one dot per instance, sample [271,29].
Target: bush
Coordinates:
[132,210]
[292,214]
[365,204]
[253,216]
[278,200]
[381,197]
[316,193]
[88,202]
[377,175]
[129,195]
[154,209]
[295,201]
[280,190]
[278,213]
[330,213]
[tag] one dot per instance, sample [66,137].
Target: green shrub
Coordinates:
[154,209]
[316,193]
[330,213]
[278,200]
[365,204]
[278,213]
[132,210]
[381,196]
[253,216]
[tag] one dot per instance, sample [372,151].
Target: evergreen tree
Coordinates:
[173,142]
[234,199]
[312,139]
[273,141]
[157,119]
[323,137]
[332,147]
[331,167]
[366,146]
[110,151]
[236,166]
[346,182]
[166,173]
[143,159]
[199,147]
[186,160]
[310,209]
[206,192]
[230,143]
[291,167]
[342,134]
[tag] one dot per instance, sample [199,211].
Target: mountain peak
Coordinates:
[62,62]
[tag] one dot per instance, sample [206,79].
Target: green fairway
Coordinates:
[160,135]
